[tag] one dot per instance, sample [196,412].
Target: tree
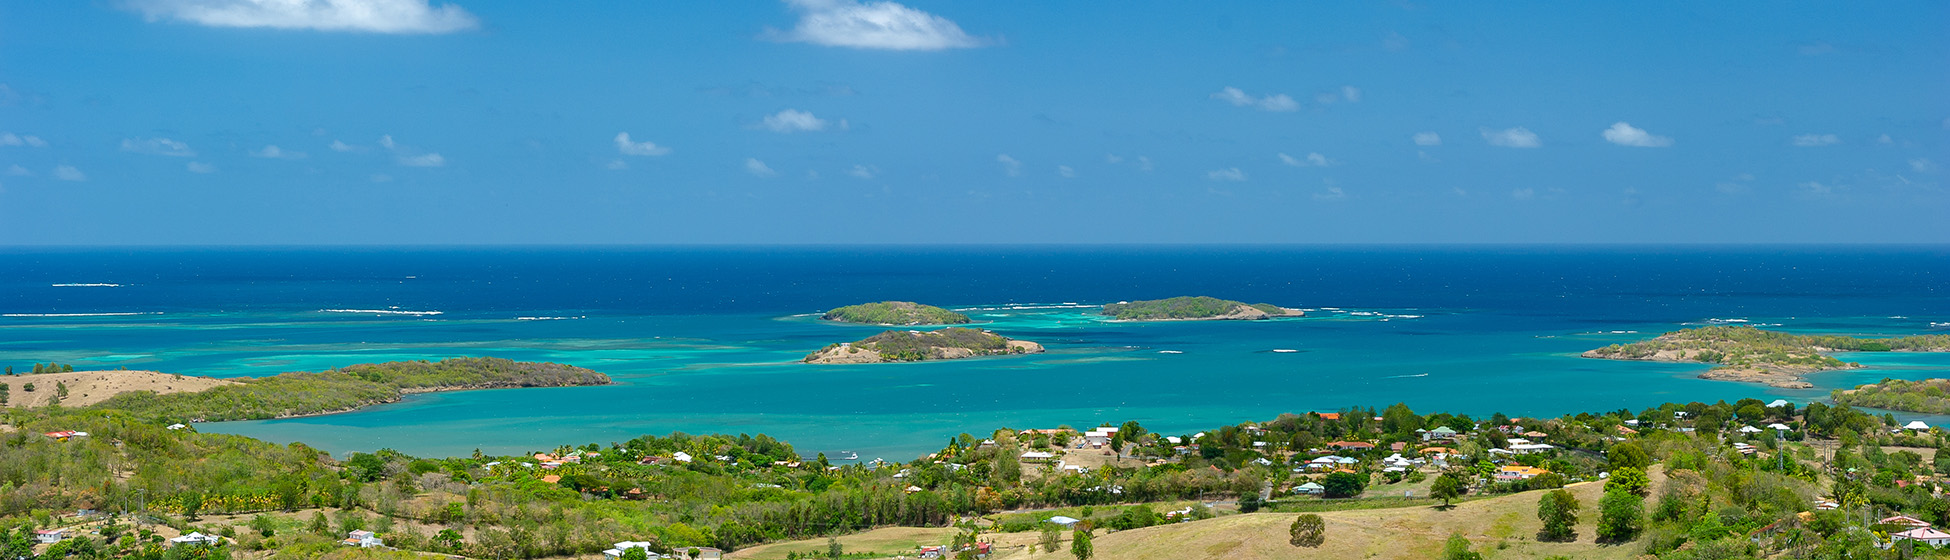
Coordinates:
[319,524]
[1628,455]
[1558,510]
[265,526]
[1249,503]
[1629,480]
[1447,488]
[635,553]
[1620,516]
[1052,537]
[1343,485]
[448,538]
[1457,548]
[1080,545]
[833,548]
[28,387]
[1309,530]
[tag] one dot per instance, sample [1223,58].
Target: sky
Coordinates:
[418,122]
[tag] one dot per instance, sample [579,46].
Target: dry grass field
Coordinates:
[90,387]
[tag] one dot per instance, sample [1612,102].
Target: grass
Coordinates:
[887,542]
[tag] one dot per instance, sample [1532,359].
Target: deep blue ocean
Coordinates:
[706,340]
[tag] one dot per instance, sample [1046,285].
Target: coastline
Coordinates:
[401,396]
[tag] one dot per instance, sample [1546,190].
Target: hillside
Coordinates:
[89,387]
[1759,356]
[1195,308]
[1928,396]
[895,313]
[914,346]
[348,388]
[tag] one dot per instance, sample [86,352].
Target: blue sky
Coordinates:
[831,121]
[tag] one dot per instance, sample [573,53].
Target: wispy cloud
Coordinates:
[200,167]
[616,165]
[1523,194]
[1066,172]
[1010,166]
[758,168]
[1815,140]
[1144,164]
[1518,137]
[1351,94]
[1113,159]
[864,171]
[1332,193]
[274,152]
[339,146]
[646,148]
[370,16]
[1278,102]
[1428,139]
[1313,159]
[17,171]
[794,120]
[422,160]
[1227,174]
[1923,165]
[69,173]
[157,147]
[873,25]
[1624,134]
[9,139]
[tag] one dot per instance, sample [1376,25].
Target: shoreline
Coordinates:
[398,398]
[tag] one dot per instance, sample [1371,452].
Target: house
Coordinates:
[362,539]
[1354,445]
[681,457]
[50,536]
[1750,430]
[1309,488]
[1826,504]
[1779,403]
[176,426]
[703,553]
[1038,456]
[1329,415]
[1779,427]
[552,479]
[1917,425]
[1441,432]
[1924,535]
[1065,521]
[1518,472]
[618,550]
[1099,437]
[1398,446]
[1521,448]
[1624,431]
[1903,520]
[933,551]
[196,539]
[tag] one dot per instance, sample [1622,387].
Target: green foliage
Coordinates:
[1343,485]
[1135,517]
[914,346]
[1051,538]
[1628,455]
[1457,548]
[1308,530]
[1080,545]
[898,313]
[1620,516]
[300,393]
[1558,509]
[1743,346]
[1182,307]
[1929,396]
[1448,487]
[1629,479]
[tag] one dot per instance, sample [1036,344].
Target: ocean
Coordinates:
[706,339]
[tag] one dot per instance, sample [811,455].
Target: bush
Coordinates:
[1343,485]
[1558,510]
[1309,530]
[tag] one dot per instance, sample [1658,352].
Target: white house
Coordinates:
[681,457]
[1917,425]
[176,426]
[1441,432]
[1038,456]
[1925,535]
[362,539]
[625,546]
[1065,521]
[1531,447]
[1779,403]
[1779,427]
[195,539]
[1309,488]
[50,536]
[1749,430]
[1099,437]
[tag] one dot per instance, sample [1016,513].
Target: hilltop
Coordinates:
[895,313]
[89,387]
[343,389]
[914,346]
[1195,308]
[1759,356]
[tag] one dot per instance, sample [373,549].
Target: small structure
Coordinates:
[196,539]
[1521,448]
[1099,437]
[1439,433]
[1779,403]
[1779,427]
[177,426]
[618,549]
[1518,472]
[1037,456]
[1065,521]
[362,539]
[1924,535]
[681,457]
[50,536]
[1309,488]
[1917,425]
[1350,445]
[1903,520]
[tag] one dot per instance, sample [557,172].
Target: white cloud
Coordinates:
[423,160]
[1227,174]
[1428,139]
[157,147]
[1066,172]
[387,142]
[1010,165]
[373,16]
[1624,134]
[1276,102]
[381,178]
[863,171]
[1518,137]
[1885,140]
[1351,94]
[628,148]
[1313,159]
[794,120]
[873,25]
[34,141]
[1814,140]
[9,139]
[1922,165]
[338,146]
[758,168]
[68,173]
[274,152]
[1815,188]
[200,167]
[1144,164]
[616,165]
[1332,193]
[1523,194]
[1113,159]
[18,171]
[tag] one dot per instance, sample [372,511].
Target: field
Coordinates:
[90,387]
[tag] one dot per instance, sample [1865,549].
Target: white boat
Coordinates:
[1284,350]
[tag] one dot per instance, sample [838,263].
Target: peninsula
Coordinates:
[895,313]
[1927,396]
[344,389]
[1196,308]
[1753,355]
[915,346]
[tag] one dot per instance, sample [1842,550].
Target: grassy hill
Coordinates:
[334,390]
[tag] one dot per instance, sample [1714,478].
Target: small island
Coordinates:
[1926,396]
[1753,355]
[895,313]
[299,393]
[915,346]
[1196,308]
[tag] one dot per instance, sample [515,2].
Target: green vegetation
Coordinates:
[1188,307]
[301,393]
[1308,530]
[47,368]
[1558,510]
[914,346]
[1928,396]
[900,313]
[1742,346]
